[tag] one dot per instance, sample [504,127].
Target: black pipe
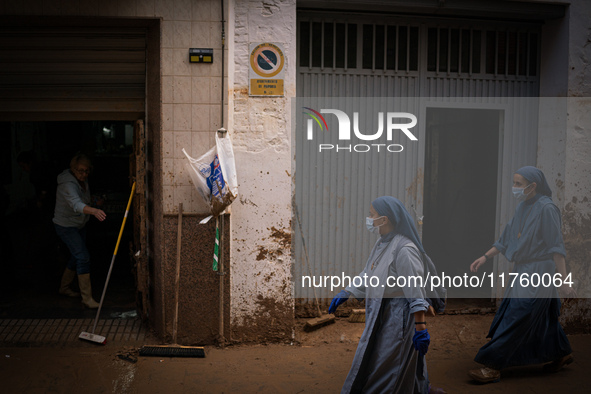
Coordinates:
[223,57]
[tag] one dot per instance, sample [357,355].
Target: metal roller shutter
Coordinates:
[72,73]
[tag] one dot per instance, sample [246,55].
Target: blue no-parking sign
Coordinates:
[267,65]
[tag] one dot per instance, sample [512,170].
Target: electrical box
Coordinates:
[201,55]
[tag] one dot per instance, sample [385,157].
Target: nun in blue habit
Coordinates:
[526,329]
[390,353]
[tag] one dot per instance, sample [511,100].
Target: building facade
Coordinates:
[129,60]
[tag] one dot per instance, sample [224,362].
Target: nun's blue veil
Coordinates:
[395,211]
[533,174]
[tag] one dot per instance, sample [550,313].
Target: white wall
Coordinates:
[260,128]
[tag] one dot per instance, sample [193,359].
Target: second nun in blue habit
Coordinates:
[390,354]
[526,329]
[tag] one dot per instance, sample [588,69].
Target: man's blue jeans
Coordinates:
[75,240]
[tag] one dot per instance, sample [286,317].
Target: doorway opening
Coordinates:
[461,172]
[33,257]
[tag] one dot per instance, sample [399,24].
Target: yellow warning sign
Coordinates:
[266,87]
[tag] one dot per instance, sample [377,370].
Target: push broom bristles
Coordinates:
[357,316]
[93,337]
[172,351]
[318,322]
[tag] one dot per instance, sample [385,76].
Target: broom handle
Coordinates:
[98,312]
[306,254]
[178,274]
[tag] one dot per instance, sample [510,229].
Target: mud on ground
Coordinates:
[317,362]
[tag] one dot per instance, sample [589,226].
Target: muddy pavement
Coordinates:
[317,362]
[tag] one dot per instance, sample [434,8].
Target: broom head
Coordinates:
[87,336]
[172,351]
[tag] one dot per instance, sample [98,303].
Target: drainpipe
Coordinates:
[222,134]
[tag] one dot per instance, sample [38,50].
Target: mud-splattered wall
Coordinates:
[577,210]
[572,182]
[262,306]
[199,285]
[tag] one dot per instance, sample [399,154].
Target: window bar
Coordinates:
[437,55]
[385,47]
[359,41]
[310,46]
[460,51]
[373,50]
[496,53]
[322,46]
[396,49]
[334,45]
[407,48]
[517,35]
[346,45]
[471,51]
[507,53]
[528,54]
[448,51]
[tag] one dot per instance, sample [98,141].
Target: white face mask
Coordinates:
[370,226]
[519,194]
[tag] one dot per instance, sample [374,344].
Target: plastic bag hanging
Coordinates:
[214,176]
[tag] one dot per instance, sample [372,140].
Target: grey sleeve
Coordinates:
[357,292]
[502,243]
[410,266]
[72,197]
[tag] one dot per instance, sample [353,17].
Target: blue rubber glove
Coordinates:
[338,300]
[421,340]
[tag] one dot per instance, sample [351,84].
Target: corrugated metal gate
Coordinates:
[432,64]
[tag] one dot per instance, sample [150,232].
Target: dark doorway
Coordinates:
[461,165]
[32,257]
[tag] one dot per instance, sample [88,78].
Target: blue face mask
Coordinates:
[519,194]
[369,224]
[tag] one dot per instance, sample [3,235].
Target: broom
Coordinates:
[321,320]
[357,316]
[174,350]
[91,336]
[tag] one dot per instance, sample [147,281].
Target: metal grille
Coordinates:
[332,45]
[387,47]
[454,50]
[474,51]
[342,45]
[512,53]
[328,45]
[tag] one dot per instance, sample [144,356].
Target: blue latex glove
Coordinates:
[421,340]
[338,300]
